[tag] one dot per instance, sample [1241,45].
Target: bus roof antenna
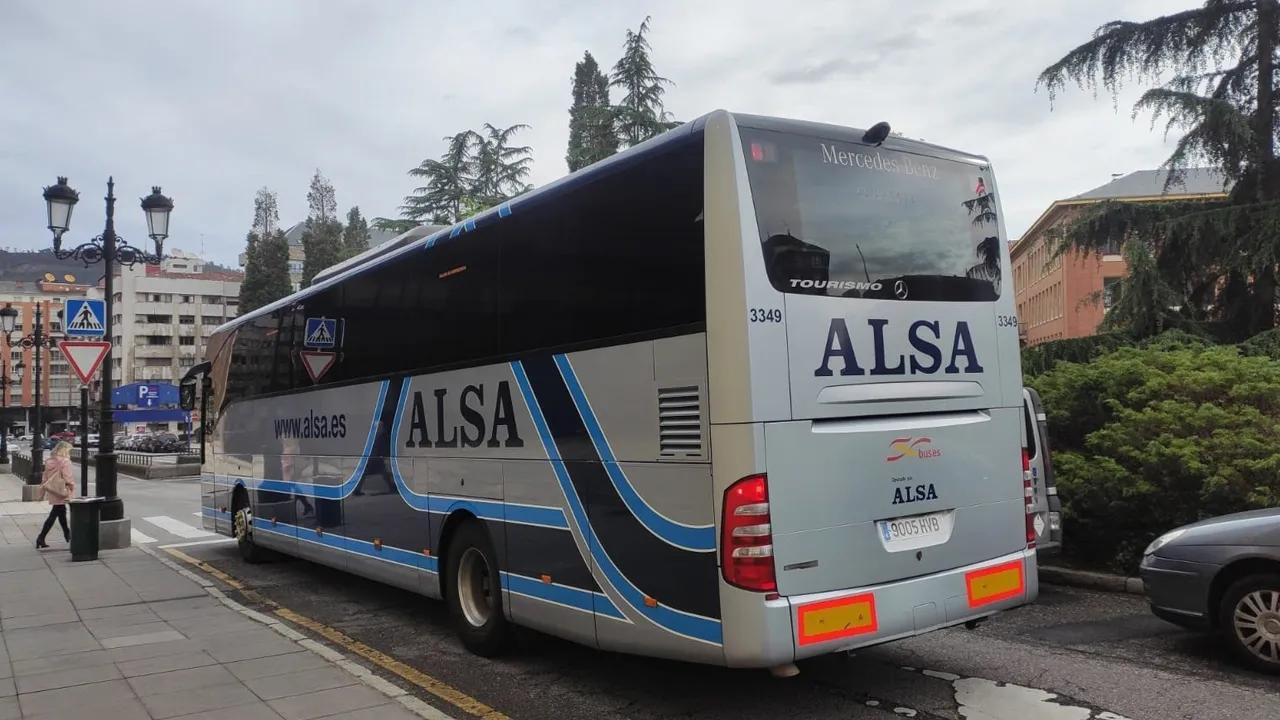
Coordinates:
[876,134]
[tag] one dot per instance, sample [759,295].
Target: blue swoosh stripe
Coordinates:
[700,538]
[577,598]
[680,623]
[536,589]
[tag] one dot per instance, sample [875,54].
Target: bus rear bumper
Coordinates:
[842,620]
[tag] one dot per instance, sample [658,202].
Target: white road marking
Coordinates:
[140,538]
[176,527]
[215,541]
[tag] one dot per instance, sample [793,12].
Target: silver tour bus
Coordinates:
[743,394]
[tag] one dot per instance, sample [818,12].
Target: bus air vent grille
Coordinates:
[679,422]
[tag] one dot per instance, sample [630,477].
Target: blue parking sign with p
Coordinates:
[320,333]
[86,317]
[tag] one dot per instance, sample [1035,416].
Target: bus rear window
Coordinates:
[851,220]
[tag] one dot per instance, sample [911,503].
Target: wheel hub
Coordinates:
[241,524]
[475,596]
[1257,624]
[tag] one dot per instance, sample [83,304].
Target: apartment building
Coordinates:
[60,389]
[1068,295]
[163,316]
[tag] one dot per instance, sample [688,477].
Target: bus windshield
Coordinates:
[850,220]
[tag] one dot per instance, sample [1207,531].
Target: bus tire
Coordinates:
[242,531]
[474,591]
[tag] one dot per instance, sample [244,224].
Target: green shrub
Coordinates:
[1264,344]
[1046,356]
[1149,438]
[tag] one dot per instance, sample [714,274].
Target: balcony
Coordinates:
[154,351]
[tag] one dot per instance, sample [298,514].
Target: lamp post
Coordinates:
[35,340]
[109,249]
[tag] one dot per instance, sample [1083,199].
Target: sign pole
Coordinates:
[84,441]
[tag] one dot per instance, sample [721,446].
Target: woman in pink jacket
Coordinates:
[59,485]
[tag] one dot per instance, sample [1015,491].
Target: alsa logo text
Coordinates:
[921,447]
[935,347]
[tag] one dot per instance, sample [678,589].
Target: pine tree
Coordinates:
[591,134]
[1217,261]
[640,115]
[355,236]
[475,172]
[266,271]
[322,236]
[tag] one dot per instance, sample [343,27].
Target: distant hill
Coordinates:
[32,265]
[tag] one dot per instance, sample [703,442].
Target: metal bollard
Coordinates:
[84,527]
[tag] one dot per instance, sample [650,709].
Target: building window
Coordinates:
[212,299]
[186,361]
[1110,292]
[186,341]
[188,299]
[186,319]
[210,320]
[157,340]
[157,362]
[159,319]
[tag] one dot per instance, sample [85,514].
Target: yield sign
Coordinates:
[84,356]
[317,363]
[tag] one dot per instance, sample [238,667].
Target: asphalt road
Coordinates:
[1074,655]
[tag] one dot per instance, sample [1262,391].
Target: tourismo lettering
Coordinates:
[470,409]
[900,164]
[925,337]
[835,284]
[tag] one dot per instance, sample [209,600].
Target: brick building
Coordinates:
[1068,296]
[59,389]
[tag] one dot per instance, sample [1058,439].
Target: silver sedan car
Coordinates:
[1222,575]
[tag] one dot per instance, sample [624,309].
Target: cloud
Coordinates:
[213,101]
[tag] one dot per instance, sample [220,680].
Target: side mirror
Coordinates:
[187,394]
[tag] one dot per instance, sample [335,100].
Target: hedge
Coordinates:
[1149,438]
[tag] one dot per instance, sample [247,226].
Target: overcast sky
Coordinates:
[213,100]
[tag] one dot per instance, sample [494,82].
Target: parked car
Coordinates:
[1047,520]
[1222,575]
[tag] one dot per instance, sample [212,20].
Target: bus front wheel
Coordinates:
[474,591]
[242,528]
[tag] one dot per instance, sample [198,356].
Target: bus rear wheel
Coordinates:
[474,592]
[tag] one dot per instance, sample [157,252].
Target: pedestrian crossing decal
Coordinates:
[320,333]
[87,318]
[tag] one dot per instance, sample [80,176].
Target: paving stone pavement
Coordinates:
[131,635]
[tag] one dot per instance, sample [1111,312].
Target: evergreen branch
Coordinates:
[1191,38]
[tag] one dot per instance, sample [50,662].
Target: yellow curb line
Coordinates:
[440,689]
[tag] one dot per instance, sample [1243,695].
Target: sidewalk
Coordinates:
[132,635]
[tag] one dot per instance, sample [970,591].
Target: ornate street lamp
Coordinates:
[108,248]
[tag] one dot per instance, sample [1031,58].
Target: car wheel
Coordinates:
[242,528]
[1249,619]
[474,592]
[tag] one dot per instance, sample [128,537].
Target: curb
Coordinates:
[1092,580]
[360,672]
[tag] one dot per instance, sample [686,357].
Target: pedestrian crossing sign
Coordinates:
[320,333]
[86,317]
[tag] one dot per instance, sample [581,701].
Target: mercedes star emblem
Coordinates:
[900,289]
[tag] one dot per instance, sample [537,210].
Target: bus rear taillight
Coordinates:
[746,540]
[1028,498]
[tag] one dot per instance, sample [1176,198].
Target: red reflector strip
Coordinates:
[994,584]
[834,619]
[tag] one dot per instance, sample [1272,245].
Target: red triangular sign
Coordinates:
[84,356]
[317,363]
